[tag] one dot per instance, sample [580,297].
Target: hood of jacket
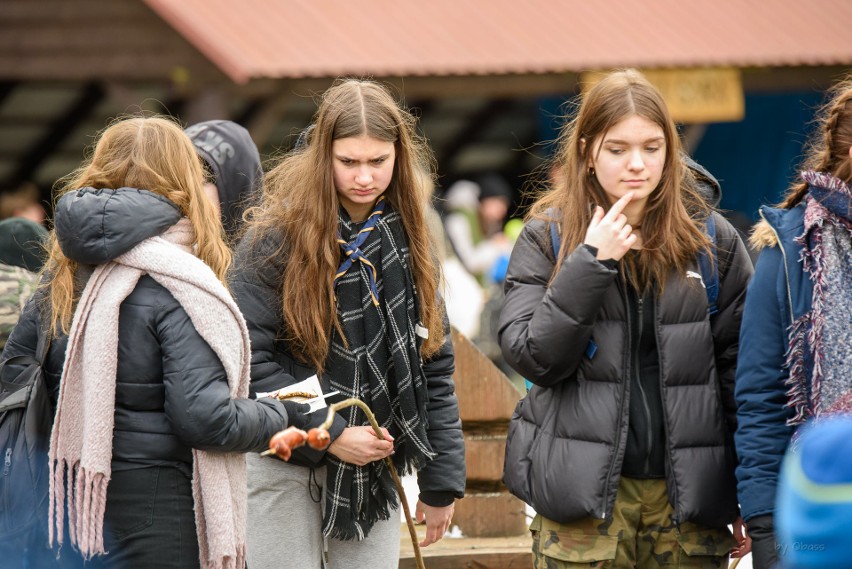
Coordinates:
[229,151]
[708,185]
[779,224]
[94,226]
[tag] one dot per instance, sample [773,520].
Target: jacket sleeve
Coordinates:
[544,329]
[23,341]
[762,433]
[256,289]
[735,271]
[24,337]
[255,286]
[443,478]
[197,397]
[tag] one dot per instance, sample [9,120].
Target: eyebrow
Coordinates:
[618,141]
[345,157]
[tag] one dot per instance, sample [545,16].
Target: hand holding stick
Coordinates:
[283,442]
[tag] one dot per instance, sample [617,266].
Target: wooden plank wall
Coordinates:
[85,39]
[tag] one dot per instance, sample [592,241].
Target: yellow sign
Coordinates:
[694,95]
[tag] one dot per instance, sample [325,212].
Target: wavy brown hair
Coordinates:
[151,153]
[670,233]
[300,203]
[828,148]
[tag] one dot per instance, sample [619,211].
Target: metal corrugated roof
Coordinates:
[251,39]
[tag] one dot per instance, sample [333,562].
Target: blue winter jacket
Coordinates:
[779,293]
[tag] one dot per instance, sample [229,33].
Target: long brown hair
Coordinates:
[150,153]
[828,148]
[671,236]
[300,203]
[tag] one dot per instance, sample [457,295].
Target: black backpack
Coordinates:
[26,417]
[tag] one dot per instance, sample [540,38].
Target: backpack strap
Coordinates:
[709,267]
[556,244]
[555,239]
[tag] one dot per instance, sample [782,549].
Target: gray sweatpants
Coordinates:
[285,523]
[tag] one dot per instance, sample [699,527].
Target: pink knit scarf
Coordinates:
[81,441]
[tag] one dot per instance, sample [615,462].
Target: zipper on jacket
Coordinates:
[640,303]
[669,468]
[625,393]
[7,463]
[786,271]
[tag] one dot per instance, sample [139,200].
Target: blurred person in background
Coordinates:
[474,214]
[462,293]
[337,278]
[624,444]
[475,211]
[23,201]
[233,173]
[152,415]
[22,255]
[796,357]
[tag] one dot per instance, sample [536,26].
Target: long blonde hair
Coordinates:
[300,203]
[150,153]
[671,236]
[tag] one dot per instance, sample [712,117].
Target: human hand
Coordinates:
[360,445]
[610,233]
[437,520]
[743,546]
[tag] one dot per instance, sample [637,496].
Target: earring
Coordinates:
[591,170]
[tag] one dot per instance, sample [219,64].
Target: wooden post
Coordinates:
[486,401]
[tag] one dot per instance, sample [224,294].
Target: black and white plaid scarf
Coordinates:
[381,367]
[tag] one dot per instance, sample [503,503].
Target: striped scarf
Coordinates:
[820,354]
[377,308]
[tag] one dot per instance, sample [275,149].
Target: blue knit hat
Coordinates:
[814,504]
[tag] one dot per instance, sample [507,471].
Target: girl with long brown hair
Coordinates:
[624,444]
[148,363]
[797,365]
[337,277]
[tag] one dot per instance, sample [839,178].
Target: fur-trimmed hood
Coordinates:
[762,236]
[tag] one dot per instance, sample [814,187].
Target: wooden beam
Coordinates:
[265,119]
[59,130]
[6,88]
[468,553]
[250,110]
[207,104]
[475,124]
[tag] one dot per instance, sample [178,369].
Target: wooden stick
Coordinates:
[334,408]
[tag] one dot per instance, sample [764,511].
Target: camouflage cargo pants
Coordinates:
[640,534]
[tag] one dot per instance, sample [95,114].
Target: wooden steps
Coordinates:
[468,552]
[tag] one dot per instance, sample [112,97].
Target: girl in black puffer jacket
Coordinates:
[624,444]
[149,365]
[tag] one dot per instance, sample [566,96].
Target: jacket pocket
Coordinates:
[696,541]
[519,443]
[578,544]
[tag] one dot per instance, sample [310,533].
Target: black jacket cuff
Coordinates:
[437,499]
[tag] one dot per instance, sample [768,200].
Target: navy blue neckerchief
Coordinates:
[352,250]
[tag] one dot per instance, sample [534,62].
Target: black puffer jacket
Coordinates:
[172,392]
[566,449]
[256,284]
